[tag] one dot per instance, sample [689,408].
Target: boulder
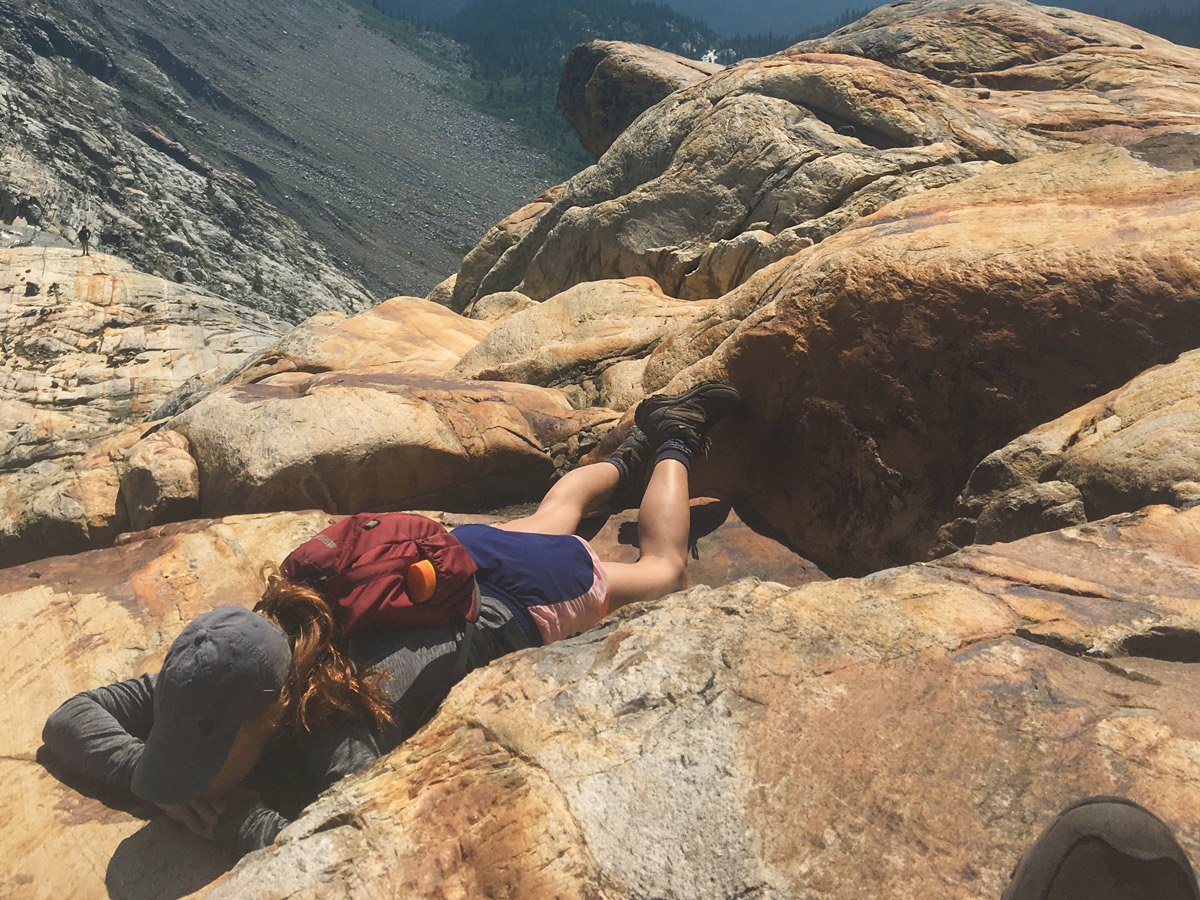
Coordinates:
[91,349]
[375,439]
[605,85]
[443,291]
[403,334]
[905,735]
[160,481]
[494,307]
[739,170]
[1120,452]
[90,345]
[579,340]
[880,365]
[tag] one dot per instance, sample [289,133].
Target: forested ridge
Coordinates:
[1179,25]
[518,48]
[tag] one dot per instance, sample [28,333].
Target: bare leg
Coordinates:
[574,495]
[664,522]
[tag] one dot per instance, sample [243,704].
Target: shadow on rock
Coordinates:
[161,861]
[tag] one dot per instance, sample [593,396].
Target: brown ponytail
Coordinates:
[322,682]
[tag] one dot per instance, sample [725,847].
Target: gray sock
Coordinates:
[676,449]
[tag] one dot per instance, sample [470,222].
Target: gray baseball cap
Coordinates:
[225,667]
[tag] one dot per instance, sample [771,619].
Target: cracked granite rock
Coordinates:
[340,413]
[1134,446]
[904,735]
[590,341]
[91,348]
[752,164]
[605,85]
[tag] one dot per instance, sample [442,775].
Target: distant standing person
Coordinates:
[85,235]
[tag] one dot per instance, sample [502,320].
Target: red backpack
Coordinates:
[360,566]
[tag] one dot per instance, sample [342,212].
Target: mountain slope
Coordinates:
[348,133]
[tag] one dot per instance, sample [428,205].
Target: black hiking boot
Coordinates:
[1104,848]
[635,451]
[687,416]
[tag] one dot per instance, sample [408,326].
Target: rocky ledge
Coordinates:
[900,735]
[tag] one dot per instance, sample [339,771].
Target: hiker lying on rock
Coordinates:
[255,712]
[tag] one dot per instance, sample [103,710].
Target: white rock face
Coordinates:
[91,347]
[90,343]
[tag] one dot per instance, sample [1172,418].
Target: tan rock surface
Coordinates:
[741,169]
[572,340]
[951,41]
[1120,452]
[92,347]
[443,291]
[886,359]
[74,623]
[488,268]
[83,500]
[280,437]
[494,307]
[905,735]
[403,334]
[605,85]
[370,439]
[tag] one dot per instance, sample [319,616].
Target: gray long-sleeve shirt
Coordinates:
[100,733]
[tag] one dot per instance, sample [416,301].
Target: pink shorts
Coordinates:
[563,620]
[555,584]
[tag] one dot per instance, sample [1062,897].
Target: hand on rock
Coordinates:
[199,816]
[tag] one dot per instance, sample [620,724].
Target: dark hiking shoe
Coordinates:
[687,416]
[1104,848]
[635,453]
